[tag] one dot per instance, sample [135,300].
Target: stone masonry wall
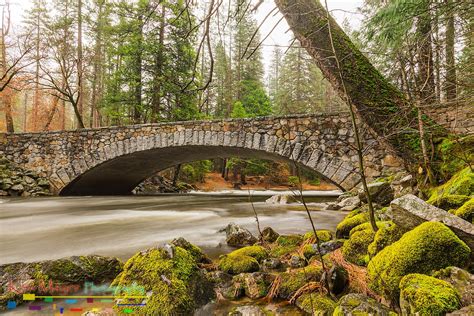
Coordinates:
[323,143]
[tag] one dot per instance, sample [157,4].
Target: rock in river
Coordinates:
[237,236]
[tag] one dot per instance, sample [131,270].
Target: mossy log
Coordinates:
[378,102]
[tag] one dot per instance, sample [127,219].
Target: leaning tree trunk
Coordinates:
[379,103]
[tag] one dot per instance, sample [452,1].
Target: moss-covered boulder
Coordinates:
[355,249]
[269,235]
[173,283]
[286,244]
[71,272]
[360,304]
[387,234]
[292,280]
[454,192]
[195,251]
[324,235]
[316,304]
[466,211]
[429,247]
[424,295]
[462,280]
[242,260]
[256,285]
[352,220]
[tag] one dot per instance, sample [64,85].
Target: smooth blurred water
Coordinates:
[33,229]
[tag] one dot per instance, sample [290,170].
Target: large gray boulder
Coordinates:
[349,204]
[238,236]
[380,192]
[410,211]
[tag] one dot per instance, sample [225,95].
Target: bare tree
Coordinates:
[12,61]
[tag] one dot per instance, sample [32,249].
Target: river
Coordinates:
[33,229]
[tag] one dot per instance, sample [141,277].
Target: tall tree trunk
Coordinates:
[450,85]
[380,104]
[137,115]
[6,97]
[80,75]
[37,69]
[159,65]
[425,56]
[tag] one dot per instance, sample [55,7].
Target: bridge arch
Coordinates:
[114,160]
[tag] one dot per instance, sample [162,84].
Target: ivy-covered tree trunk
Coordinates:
[379,103]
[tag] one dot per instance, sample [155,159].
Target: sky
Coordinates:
[340,9]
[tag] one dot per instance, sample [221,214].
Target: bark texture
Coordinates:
[377,102]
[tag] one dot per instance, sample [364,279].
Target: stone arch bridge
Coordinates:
[114,160]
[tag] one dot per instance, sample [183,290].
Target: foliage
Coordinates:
[455,153]
[195,171]
[429,247]
[426,295]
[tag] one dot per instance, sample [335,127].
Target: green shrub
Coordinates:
[195,171]
[425,295]
[429,247]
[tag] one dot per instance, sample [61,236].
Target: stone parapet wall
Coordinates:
[458,119]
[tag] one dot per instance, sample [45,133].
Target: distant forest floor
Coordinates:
[214,182]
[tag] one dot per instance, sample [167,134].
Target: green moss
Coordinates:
[455,192]
[355,249]
[280,251]
[316,304]
[176,284]
[425,295]
[450,201]
[309,251]
[350,221]
[323,235]
[289,240]
[257,252]
[286,244]
[293,280]
[466,211]
[429,247]
[245,259]
[453,154]
[386,235]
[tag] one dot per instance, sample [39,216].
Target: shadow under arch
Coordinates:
[120,175]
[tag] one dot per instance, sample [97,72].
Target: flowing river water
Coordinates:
[33,229]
